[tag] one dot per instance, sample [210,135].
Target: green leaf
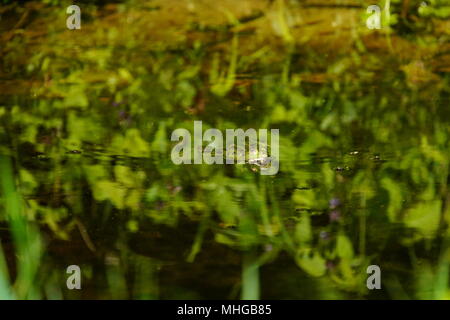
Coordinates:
[395,197]
[344,247]
[311,262]
[424,217]
[303,230]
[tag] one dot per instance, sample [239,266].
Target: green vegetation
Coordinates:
[86,175]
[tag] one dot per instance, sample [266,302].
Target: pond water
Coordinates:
[87,178]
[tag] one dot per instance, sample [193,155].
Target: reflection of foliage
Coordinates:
[435,8]
[27,241]
[418,14]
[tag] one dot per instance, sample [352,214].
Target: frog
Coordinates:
[254,159]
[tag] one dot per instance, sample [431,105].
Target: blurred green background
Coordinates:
[85,170]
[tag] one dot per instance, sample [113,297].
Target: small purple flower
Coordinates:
[335,215]
[334,203]
[117,103]
[268,248]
